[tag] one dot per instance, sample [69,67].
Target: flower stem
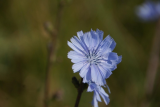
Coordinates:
[47,79]
[80,90]
[153,61]
[51,50]
[152,66]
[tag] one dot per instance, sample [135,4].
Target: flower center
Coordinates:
[92,59]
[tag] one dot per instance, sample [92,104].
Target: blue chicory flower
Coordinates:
[148,11]
[93,57]
[98,91]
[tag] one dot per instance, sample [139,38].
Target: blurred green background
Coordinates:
[23,56]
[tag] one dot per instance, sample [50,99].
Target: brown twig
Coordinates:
[47,79]
[153,65]
[153,61]
[80,90]
[51,50]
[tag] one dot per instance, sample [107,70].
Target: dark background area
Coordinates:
[23,52]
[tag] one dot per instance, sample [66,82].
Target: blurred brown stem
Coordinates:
[153,63]
[51,50]
[80,90]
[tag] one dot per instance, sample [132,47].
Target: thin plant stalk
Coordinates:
[51,51]
[152,65]
[153,61]
[80,90]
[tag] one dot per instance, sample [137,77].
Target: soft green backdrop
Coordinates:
[23,53]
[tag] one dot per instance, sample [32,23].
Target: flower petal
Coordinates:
[106,72]
[100,78]
[89,89]
[94,101]
[81,41]
[113,45]
[84,70]
[113,56]
[91,86]
[74,54]
[103,92]
[119,59]
[77,43]
[74,48]
[95,39]
[87,77]
[106,99]
[108,89]
[94,73]
[76,57]
[80,34]
[77,66]
[100,33]
[78,60]
[104,95]
[105,44]
[88,39]
[97,96]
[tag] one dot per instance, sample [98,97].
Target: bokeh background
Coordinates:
[23,51]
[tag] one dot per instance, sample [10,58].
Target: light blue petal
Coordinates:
[78,60]
[103,75]
[106,65]
[91,86]
[77,66]
[106,72]
[75,55]
[95,39]
[97,76]
[84,70]
[100,33]
[97,96]
[101,91]
[107,42]
[88,40]
[94,73]
[89,89]
[104,46]
[105,96]
[108,89]
[100,77]
[105,56]
[81,37]
[113,56]
[94,101]
[80,34]
[87,77]
[114,67]
[110,63]
[98,91]
[81,43]
[77,43]
[113,45]
[106,99]
[75,48]
[119,59]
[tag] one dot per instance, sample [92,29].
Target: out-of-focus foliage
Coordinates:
[23,56]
